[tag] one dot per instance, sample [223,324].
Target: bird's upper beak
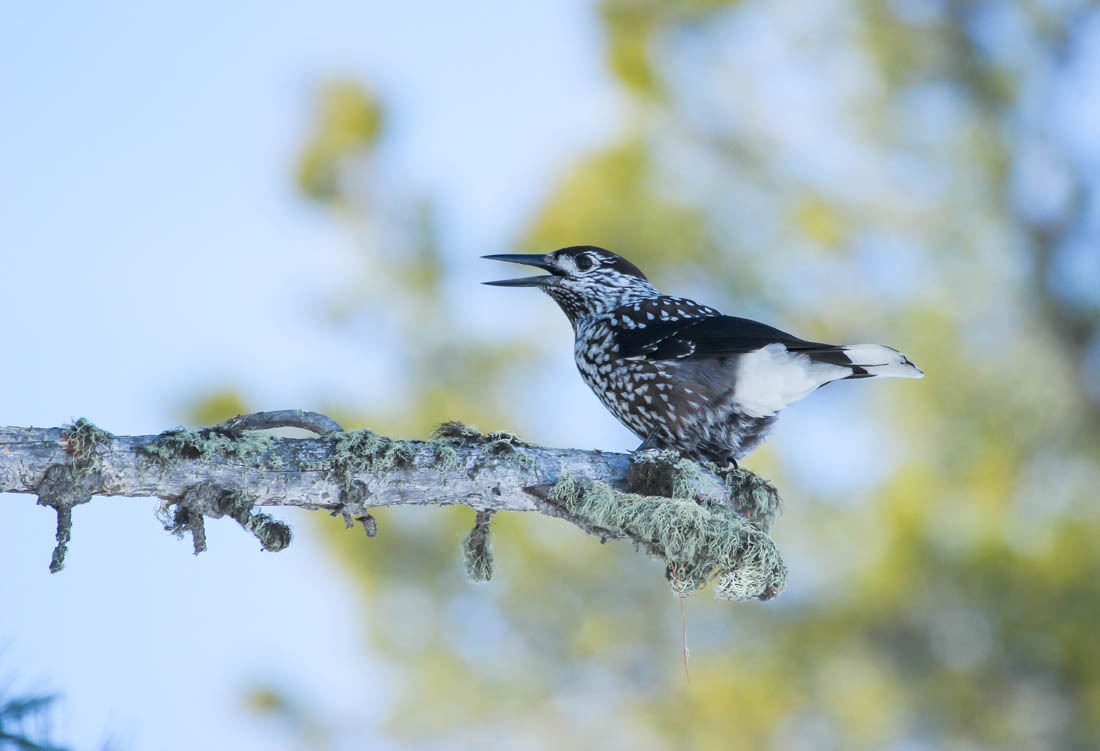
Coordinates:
[537,260]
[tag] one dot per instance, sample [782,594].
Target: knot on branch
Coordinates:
[701,539]
[477,552]
[68,485]
[209,499]
[62,488]
[370,524]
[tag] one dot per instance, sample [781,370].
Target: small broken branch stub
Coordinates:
[62,488]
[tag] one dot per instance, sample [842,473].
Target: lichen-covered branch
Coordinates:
[706,523]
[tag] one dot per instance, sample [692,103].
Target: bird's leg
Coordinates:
[651,442]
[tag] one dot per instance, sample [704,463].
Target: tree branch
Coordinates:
[710,522]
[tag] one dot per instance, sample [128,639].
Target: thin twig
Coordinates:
[314,422]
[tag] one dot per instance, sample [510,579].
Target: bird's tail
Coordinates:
[877,361]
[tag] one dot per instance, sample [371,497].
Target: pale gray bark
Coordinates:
[298,472]
[225,472]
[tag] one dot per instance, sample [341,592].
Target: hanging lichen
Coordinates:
[187,514]
[756,498]
[705,540]
[477,551]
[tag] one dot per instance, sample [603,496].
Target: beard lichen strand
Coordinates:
[477,549]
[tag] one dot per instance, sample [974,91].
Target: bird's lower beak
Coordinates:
[537,260]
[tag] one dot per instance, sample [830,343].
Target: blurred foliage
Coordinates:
[632,26]
[853,170]
[348,124]
[295,718]
[613,200]
[24,723]
[214,407]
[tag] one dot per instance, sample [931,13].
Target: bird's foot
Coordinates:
[651,443]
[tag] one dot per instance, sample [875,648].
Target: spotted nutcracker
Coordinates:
[681,375]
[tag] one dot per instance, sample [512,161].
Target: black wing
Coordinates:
[713,337]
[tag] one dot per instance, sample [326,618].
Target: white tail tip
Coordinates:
[882,362]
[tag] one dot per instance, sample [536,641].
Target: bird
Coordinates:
[678,374]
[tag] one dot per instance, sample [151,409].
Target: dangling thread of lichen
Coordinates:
[683,618]
[477,551]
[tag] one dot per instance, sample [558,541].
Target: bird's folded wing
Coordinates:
[713,337]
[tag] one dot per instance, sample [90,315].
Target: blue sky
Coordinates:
[152,245]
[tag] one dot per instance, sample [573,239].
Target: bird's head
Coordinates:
[584,280]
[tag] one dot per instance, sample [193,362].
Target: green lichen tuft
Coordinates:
[664,473]
[700,541]
[446,458]
[499,444]
[204,445]
[366,451]
[477,551]
[461,434]
[759,500]
[458,433]
[274,535]
[83,440]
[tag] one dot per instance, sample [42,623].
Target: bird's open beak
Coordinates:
[537,260]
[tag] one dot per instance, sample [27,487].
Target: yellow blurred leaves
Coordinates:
[215,407]
[630,26]
[863,696]
[347,125]
[612,200]
[821,221]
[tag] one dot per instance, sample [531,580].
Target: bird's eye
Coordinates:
[585,263]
